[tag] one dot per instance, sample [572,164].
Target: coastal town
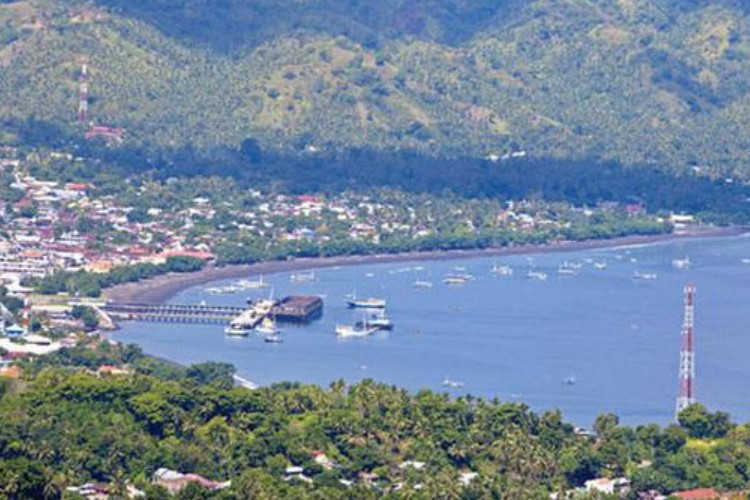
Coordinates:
[50,225]
[64,240]
[58,234]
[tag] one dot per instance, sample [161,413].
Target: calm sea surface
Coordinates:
[511,337]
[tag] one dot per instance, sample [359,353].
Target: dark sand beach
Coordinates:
[162,288]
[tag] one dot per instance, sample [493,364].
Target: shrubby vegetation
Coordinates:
[65,426]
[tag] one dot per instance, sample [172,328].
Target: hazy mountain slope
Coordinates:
[632,80]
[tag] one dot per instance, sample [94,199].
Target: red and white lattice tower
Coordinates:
[83,94]
[687,353]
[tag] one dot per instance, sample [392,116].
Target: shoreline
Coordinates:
[160,289]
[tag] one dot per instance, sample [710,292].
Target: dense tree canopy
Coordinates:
[65,426]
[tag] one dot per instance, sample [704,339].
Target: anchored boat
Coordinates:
[236,331]
[368,303]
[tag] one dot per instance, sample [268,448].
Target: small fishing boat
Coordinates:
[236,331]
[682,263]
[302,277]
[273,339]
[501,270]
[601,266]
[422,284]
[536,275]
[253,284]
[639,275]
[379,321]
[354,331]
[458,279]
[567,269]
[453,384]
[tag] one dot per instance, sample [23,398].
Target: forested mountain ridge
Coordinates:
[656,82]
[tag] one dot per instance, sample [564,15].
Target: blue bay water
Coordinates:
[510,337]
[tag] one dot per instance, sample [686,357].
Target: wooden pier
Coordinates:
[296,309]
[172,313]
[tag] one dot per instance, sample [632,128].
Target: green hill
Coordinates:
[635,81]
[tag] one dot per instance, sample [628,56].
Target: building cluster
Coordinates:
[62,226]
[52,225]
[621,487]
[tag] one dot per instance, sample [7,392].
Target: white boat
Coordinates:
[682,263]
[267,327]
[567,269]
[302,277]
[379,321]
[600,266]
[458,279]
[638,275]
[502,270]
[368,303]
[422,284]
[349,331]
[253,284]
[536,275]
[453,384]
[222,289]
[273,339]
[236,331]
